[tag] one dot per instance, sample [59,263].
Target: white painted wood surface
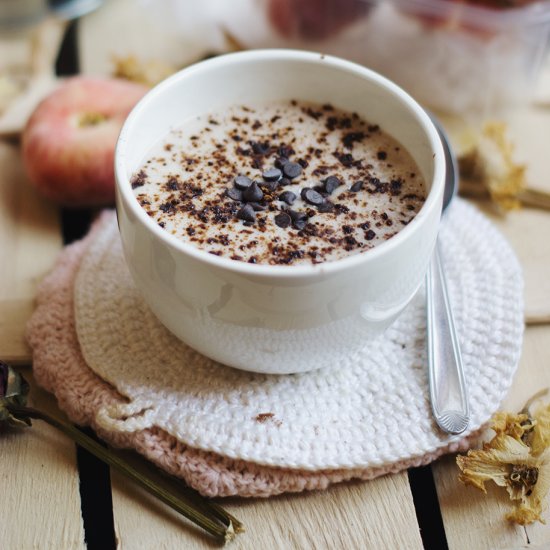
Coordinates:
[527,230]
[30,240]
[377,514]
[39,497]
[27,60]
[476,521]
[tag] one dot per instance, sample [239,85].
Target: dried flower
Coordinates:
[488,168]
[13,391]
[517,458]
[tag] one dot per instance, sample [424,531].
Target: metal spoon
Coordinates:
[448,394]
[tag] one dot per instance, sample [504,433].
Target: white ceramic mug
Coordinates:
[263,318]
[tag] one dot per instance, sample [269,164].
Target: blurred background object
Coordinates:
[314,19]
[474,59]
[16,14]
[466,57]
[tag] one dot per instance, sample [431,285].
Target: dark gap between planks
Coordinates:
[426,505]
[95,479]
[96,500]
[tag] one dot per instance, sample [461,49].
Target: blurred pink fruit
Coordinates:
[314,19]
[69,141]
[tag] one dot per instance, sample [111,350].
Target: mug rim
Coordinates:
[124,190]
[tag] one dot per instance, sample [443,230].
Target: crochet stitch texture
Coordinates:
[227,432]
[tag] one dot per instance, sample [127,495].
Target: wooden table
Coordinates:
[55,496]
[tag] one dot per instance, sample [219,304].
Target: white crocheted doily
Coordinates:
[369,410]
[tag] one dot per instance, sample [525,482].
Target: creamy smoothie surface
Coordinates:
[281,183]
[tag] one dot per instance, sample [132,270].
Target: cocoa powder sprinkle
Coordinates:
[281,184]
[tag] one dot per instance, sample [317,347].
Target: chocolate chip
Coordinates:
[296,215]
[320,189]
[327,206]
[282,220]
[299,219]
[292,170]
[269,186]
[246,213]
[331,183]
[234,194]
[242,182]
[284,181]
[382,155]
[357,186]
[311,196]
[370,234]
[272,174]
[257,206]
[280,162]
[253,193]
[287,196]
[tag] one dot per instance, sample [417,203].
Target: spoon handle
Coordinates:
[446,374]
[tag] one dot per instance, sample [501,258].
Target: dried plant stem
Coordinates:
[221,533]
[207,506]
[215,509]
[536,319]
[227,518]
[533,198]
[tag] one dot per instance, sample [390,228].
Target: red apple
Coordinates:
[68,142]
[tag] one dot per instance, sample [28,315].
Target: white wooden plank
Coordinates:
[40,495]
[374,514]
[476,521]
[27,67]
[526,229]
[30,239]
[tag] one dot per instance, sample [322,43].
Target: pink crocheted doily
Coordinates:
[59,367]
